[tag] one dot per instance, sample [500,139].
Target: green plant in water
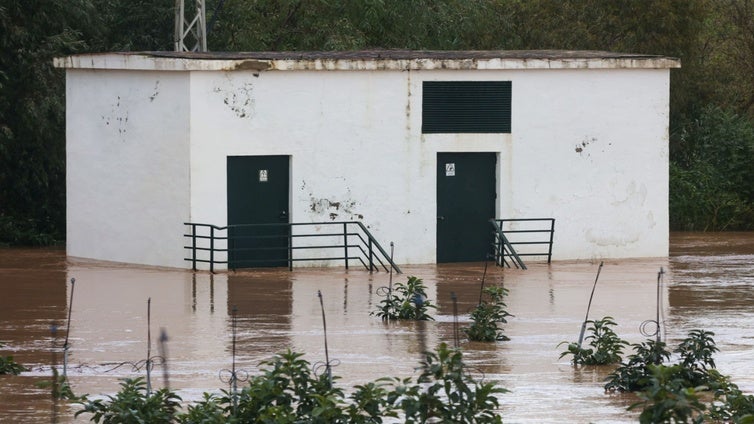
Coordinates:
[667,397]
[606,346]
[730,404]
[207,411]
[60,387]
[406,301]
[133,404]
[632,376]
[9,366]
[447,394]
[288,392]
[488,316]
[696,352]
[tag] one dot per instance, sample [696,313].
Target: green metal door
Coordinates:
[465,204]
[258,193]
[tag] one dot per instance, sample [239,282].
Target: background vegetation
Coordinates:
[712,96]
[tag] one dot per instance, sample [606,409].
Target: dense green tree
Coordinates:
[32,117]
[32,97]
[712,178]
[136,25]
[342,24]
[728,48]
[712,95]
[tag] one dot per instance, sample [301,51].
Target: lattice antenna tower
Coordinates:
[190,32]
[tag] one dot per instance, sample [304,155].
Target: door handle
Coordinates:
[283,215]
[441,218]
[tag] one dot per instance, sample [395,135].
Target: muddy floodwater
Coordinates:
[708,284]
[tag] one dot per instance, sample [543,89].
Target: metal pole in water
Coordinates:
[233,379]
[54,361]
[164,354]
[390,285]
[589,306]
[455,319]
[481,289]
[54,364]
[659,283]
[324,327]
[149,346]
[68,331]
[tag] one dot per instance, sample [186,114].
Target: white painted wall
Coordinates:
[355,139]
[588,147]
[127,173]
[591,150]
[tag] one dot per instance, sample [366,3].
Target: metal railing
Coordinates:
[260,244]
[524,234]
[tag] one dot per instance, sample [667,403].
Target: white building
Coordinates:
[421,147]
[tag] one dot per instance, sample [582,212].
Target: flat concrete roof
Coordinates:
[367,60]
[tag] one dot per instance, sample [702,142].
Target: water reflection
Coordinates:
[708,285]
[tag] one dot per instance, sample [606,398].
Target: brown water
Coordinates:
[709,284]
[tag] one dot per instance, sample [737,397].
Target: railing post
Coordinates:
[371,259]
[345,242]
[552,233]
[193,247]
[290,247]
[212,249]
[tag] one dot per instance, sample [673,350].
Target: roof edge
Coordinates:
[372,60]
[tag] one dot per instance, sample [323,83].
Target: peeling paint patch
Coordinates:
[580,147]
[238,98]
[321,207]
[155,91]
[117,118]
[408,102]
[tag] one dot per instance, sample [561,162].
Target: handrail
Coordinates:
[503,248]
[356,243]
[505,242]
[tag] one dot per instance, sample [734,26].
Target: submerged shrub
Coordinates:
[488,316]
[667,397]
[288,392]
[60,387]
[9,366]
[606,346]
[730,405]
[696,352]
[447,393]
[632,376]
[406,301]
[669,393]
[133,404]
[287,388]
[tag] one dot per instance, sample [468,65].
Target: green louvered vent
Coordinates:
[466,107]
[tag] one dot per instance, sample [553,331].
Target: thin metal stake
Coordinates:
[149,346]
[163,346]
[456,337]
[324,327]
[54,364]
[54,361]
[233,376]
[390,285]
[68,331]
[589,306]
[481,289]
[659,283]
